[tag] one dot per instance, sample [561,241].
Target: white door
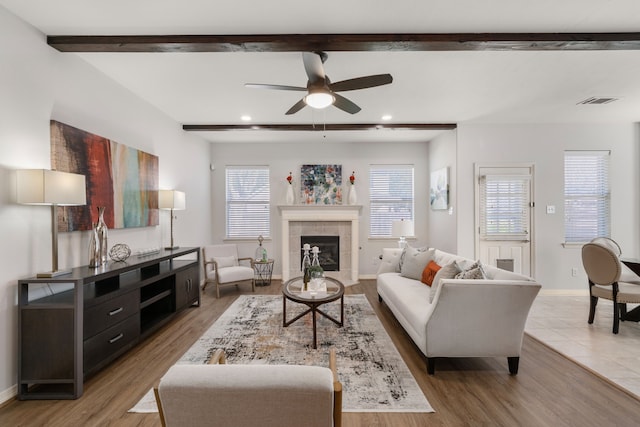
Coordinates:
[504,216]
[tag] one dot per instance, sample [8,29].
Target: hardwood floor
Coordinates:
[548,391]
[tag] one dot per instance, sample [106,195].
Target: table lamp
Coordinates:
[174,201]
[54,188]
[402,228]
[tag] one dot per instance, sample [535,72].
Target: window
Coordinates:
[391,197]
[586,195]
[248,194]
[504,206]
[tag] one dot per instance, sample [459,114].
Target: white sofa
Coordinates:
[458,317]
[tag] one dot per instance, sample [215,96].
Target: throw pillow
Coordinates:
[415,260]
[225,261]
[449,271]
[474,271]
[390,261]
[429,273]
[404,251]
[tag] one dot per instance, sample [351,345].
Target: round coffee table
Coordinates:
[292,290]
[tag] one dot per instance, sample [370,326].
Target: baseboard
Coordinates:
[565,292]
[8,394]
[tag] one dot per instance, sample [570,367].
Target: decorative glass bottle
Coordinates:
[315,262]
[102,232]
[316,275]
[261,252]
[306,266]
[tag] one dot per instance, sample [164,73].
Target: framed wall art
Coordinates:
[122,179]
[321,184]
[439,189]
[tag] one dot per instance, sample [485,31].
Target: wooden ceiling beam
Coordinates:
[349,42]
[320,127]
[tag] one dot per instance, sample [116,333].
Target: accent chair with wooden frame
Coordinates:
[250,395]
[222,267]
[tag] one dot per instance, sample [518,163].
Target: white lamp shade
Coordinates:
[402,228]
[47,187]
[171,199]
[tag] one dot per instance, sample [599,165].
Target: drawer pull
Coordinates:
[116,311]
[116,338]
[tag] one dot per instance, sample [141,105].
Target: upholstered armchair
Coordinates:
[222,267]
[604,271]
[626,275]
[250,395]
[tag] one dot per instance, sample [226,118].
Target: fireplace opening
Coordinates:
[329,247]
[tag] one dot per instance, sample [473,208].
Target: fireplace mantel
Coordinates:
[320,213]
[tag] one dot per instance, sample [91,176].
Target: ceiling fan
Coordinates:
[320,91]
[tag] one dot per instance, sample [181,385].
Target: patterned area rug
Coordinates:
[374,377]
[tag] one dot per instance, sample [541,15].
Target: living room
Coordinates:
[42,84]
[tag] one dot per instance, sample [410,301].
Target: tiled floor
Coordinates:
[561,323]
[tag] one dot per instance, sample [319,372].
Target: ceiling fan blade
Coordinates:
[297,107]
[345,105]
[313,66]
[277,87]
[361,82]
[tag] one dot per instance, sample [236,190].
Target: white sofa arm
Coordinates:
[479,318]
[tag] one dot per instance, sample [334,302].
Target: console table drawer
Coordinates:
[107,314]
[109,343]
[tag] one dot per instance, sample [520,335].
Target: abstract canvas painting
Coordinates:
[122,179]
[439,189]
[321,184]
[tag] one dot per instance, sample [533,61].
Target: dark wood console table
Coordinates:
[71,326]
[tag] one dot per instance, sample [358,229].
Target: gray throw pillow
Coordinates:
[390,262]
[404,251]
[474,271]
[449,271]
[415,260]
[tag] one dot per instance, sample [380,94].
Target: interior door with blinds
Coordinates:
[504,217]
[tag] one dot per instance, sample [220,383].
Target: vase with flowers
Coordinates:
[290,196]
[353,197]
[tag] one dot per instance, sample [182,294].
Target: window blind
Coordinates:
[390,197]
[586,195]
[504,206]
[247,200]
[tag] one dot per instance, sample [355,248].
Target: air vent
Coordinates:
[597,100]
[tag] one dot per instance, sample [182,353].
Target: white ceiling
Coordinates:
[428,87]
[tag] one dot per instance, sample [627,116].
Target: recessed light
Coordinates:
[245,118]
[386,117]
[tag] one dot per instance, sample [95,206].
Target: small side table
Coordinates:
[262,271]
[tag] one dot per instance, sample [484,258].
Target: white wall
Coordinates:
[442,223]
[282,158]
[39,84]
[544,145]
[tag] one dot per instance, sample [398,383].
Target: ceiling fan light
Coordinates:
[319,100]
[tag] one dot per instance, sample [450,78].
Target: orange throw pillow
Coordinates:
[429,273]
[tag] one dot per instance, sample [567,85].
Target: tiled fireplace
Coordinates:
[320,220]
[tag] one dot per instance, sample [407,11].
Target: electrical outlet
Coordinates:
[574,272]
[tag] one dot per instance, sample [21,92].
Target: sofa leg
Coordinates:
[379,298]
[431,365]
[513,365]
